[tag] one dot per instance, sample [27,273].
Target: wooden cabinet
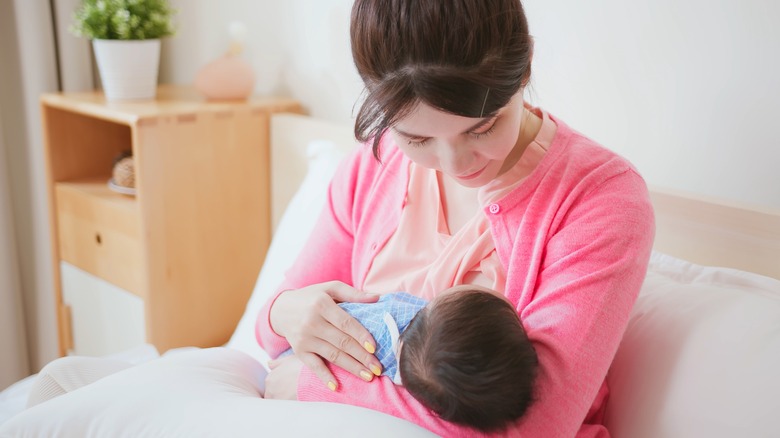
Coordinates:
[175,264]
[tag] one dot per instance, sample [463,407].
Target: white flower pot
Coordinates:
[128,68]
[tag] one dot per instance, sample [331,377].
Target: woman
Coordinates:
[464,184]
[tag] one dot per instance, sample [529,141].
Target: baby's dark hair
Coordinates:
[467,358]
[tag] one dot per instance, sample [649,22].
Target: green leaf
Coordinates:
[123,19]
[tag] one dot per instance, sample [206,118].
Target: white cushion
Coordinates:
[701,356]
[212,392]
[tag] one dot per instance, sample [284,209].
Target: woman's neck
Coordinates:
[461,203]
[529,129]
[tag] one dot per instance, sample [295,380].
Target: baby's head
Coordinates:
[466,357]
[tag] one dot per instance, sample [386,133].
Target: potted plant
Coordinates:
[125,37]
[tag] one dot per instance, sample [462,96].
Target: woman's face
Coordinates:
[471,151]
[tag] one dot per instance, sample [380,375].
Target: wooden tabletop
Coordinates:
[170,100]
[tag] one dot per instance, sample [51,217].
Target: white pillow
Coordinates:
[294,228]
[202,393]
[701,356]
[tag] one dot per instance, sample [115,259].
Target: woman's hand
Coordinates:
[318,329]
[282,382]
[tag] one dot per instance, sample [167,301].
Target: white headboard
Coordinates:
[290,136]
[703,231]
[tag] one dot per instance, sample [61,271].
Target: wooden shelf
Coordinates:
[97,188]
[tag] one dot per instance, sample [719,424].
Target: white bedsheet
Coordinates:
[14,398]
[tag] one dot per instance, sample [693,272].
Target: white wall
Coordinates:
[687,90]
[298,48]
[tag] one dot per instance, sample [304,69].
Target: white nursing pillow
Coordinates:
[202,393]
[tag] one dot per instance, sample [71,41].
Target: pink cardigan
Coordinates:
[575,240]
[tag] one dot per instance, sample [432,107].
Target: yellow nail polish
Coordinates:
[332,386]
[370,348]
[366,376]
[375,369]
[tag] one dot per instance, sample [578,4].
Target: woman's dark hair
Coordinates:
[467,358]
[464,57]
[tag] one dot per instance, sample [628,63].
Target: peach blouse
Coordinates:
[422,257]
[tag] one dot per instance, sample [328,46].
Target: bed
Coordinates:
[699,357]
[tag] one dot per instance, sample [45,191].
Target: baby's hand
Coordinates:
[282,382]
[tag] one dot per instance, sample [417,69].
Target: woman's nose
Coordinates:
[456,159]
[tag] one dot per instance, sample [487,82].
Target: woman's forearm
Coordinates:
[271,341]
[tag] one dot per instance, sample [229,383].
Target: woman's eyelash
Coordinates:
[479,135]
[417,143]
[475,135]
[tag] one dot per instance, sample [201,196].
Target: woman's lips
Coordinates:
[473,175]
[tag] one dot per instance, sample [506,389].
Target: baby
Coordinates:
[465,355]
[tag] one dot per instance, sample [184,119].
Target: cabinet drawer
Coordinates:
[99,232]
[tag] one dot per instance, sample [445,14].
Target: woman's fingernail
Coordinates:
[370,348]
[332,386]
[366,375]
[375,369]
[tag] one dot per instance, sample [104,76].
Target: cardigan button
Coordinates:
[373,246]
[494,208]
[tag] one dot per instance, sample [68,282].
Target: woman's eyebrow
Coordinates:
[479,124]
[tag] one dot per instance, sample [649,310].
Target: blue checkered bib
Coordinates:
[385,320]
[401,308]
